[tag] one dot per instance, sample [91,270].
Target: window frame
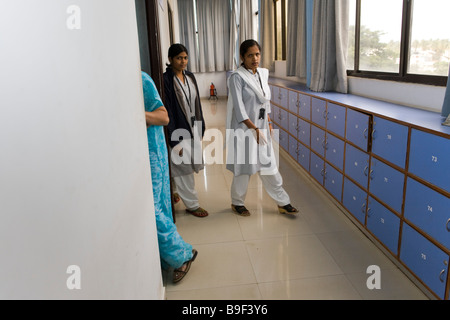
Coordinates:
[402,75]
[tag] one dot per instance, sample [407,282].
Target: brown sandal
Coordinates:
[240,211]
[288,210]
[200,212]
[179,274]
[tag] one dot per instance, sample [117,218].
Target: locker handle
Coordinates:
[366,171]
[365,133]
[371,175]
[325,145]
[363,208]
[448,225]
[441,276]
[369,212]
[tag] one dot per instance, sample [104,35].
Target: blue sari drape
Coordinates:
[174,251]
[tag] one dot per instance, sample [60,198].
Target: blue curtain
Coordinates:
[446,106]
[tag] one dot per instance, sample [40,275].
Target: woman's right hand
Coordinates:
[260,137]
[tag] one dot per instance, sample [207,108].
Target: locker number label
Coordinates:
[434,159]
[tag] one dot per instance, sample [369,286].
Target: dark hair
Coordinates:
[247,44]
[175,50]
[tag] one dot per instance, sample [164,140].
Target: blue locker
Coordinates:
[426,260]
[390,141]
[335,151]
[304,132]
[304,155]
[293,147]
[387,184]
[282,97]
[293,124]
[319,112]
[284,140]
[384,224]
[318,140]
[336,119]
[293,101]
[304,106]
[358,129]
[357,165]
[317,168]
[284,119]
[333,182]
[275,114]
[355,200]
[429,211]
[430,158]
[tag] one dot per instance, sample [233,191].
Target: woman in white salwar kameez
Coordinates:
[249,133]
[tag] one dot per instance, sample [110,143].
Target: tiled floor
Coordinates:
[320,254]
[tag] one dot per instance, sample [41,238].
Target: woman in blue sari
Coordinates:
[174,251]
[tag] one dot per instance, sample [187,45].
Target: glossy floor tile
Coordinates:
[318,255]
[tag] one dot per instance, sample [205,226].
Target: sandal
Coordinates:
[200,212]
[179,274]
[288,210]
[240,211]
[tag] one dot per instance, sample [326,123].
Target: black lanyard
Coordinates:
[189,101]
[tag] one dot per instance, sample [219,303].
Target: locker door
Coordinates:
[386,183]
[428,210]
[430,158]
[304,155]
[317,168]
[355,200]
[293,147]
[335,151]
[293,124]
[357,165]
[305,106]
[283,98]
[426,260]
[358,129]
[304,132]
[319,110]
[284,140]
[318,140]
[336,119]
[384,224]
[284,119]
[389,141]
[275,113]
[293,101]
[333,182]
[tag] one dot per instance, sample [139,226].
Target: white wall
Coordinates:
[75,185]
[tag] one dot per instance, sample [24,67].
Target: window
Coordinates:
[401,40]
[280,28]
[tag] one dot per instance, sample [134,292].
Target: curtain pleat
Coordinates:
[267,33]
[188,32]
[329,46]
[296,58]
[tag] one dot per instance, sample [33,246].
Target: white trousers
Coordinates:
[273,185]
[185,187]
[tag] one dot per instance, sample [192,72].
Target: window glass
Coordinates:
[430,38]
[381,30]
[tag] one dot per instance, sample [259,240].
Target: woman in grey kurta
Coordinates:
[249,132]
